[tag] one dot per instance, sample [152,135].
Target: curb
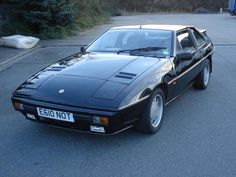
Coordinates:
[5,64]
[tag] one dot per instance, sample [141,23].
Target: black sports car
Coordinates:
[122,79]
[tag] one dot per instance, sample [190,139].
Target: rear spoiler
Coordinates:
[202,31]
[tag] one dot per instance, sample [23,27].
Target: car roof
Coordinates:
[153,26]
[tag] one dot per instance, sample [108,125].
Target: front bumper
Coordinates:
[118,120]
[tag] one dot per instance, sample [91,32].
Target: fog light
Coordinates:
[100,120]
[31,116]
[97,129]
[18,105]
[96,119]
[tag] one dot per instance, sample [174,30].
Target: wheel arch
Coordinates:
[164,87]
[210,59]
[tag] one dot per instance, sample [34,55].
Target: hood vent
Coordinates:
[125,75]
[56,68]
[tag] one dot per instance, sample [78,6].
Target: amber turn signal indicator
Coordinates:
[104,120]
[100,120]
[17,105]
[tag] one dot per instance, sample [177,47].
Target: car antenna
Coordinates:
[140,27]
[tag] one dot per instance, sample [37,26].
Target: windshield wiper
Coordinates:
[146,49]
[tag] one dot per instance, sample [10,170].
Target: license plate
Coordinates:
[57,115]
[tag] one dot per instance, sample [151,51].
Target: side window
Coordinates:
[185,41]
[199,38]
[178,47]
[206,37]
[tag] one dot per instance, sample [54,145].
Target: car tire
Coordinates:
[150,121]
[202,80]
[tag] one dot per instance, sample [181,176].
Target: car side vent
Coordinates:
[125,75]
[56,68]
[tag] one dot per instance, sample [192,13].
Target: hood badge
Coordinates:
[61,91]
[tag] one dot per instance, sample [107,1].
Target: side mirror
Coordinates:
[185,56]
[82,49]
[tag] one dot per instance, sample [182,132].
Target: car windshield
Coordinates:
[135,42]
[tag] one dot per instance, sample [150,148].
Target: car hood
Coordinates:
[112,67]
[81,78]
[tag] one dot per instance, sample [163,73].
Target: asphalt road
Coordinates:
[197,139]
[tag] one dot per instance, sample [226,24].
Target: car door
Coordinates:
[185,70]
